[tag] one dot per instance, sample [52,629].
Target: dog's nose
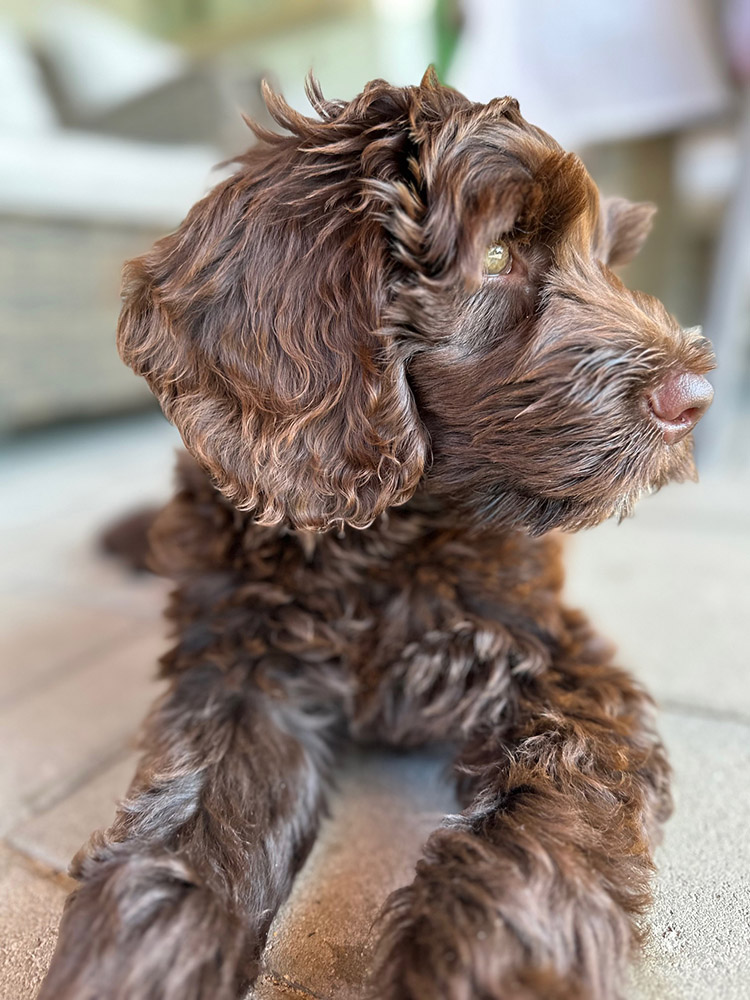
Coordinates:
[679,403]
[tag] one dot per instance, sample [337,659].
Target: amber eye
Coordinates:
[497,260]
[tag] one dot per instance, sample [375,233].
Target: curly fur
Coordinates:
[320,331]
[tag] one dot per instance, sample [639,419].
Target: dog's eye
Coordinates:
[498,259]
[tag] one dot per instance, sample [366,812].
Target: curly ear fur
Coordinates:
[626,228]
[259,323]
[276,324]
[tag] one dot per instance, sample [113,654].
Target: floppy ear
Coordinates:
[257,326]
[626,226]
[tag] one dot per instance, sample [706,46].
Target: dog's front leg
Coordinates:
[531,892]
[177,895]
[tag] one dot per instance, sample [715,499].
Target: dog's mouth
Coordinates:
[642,463]
[664,456]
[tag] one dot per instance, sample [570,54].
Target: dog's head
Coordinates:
[414,289]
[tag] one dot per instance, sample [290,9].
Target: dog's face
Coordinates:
[414,290]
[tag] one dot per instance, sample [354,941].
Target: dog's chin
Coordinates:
[673,463]
[537,515]
[505,505]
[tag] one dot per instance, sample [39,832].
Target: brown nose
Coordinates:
[679,403]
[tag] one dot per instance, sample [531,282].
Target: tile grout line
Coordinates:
[279,980]
[702,712]
[36,866]
[40,803]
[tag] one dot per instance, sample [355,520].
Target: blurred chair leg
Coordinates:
[727,321]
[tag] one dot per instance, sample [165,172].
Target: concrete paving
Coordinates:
[699,945]
[671,586]
[31,901]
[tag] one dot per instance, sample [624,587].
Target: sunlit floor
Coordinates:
[80,641]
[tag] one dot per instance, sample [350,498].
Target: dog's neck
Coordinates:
[425,519]
[425,516]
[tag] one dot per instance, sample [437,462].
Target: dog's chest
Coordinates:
[434,630]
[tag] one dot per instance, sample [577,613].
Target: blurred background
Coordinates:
[113,116]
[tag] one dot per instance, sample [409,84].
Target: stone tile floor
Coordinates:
[80,639]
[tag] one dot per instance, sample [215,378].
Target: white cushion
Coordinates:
[99,61]
[77,175]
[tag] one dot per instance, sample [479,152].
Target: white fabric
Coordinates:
[593,70]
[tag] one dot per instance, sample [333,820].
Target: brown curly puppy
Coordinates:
[396,351]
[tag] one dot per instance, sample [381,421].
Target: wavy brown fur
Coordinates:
[320,331]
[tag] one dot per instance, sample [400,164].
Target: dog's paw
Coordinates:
[443,946]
